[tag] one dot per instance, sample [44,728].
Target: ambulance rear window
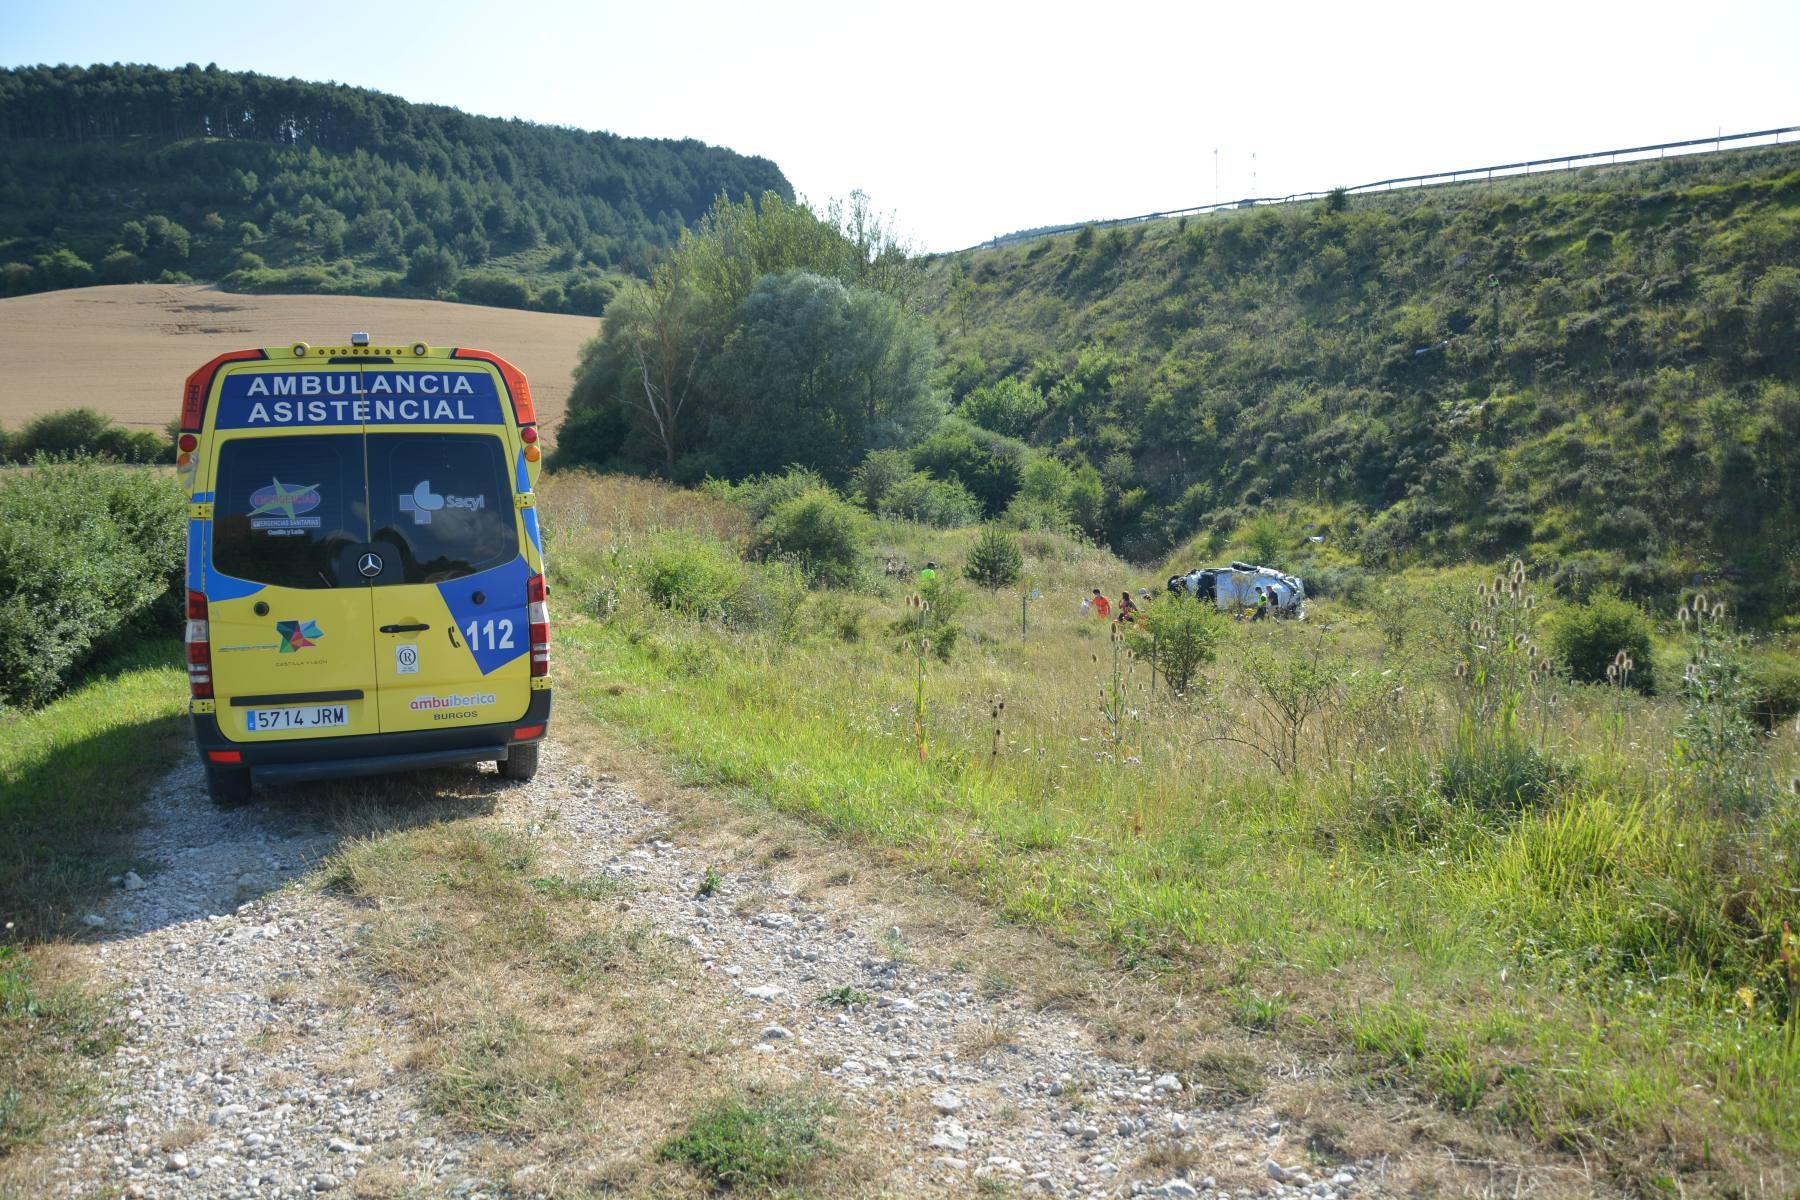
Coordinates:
[287,507]
[445,499]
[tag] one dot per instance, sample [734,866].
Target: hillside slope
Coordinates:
[1596,370]
[119,174]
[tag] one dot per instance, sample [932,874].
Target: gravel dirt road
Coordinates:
[261,1062]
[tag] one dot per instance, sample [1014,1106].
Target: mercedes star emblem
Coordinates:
[369,565]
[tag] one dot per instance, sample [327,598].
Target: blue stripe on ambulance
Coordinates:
[522,478]
[531,530]
[506,584]
[202,578]
[196,555]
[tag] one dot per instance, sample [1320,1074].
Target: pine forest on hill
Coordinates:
[126,173]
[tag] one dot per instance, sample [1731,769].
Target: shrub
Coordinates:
[1775,688]
[1495,778]
[936,621]
[879,471]
[499,291]
[1264,537]
[1588,637]
[772,599]
[87,550]
[995,560]
[988,464]
[1179,638]
[761,494]
[589,297]
[824,534]
[83,431]
[690,575]
[940,502]
[1009,406]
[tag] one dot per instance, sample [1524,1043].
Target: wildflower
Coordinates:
[1748,997]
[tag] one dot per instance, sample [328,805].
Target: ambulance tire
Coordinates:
[521,763]
[228,787]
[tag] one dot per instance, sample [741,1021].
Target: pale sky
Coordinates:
[966,120]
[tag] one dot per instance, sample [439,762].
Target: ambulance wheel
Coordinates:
[229,787]
[521,763]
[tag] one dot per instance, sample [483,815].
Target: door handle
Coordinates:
[404,628]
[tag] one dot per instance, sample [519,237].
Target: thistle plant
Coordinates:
[921,648]
[1618,683]
[1493,764]
[1715,743]
[1501,661]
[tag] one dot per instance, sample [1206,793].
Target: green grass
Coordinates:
[1565,965]
[72,775]
[756,1142]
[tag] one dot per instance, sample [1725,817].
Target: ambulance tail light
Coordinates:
[524,411]
[537,595]
[199,387]
[199,648]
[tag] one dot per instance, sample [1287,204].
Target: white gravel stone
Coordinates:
[229,982]
[950,1135]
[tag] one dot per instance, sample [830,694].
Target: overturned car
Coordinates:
[1234,587]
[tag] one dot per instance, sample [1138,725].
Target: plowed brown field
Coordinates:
[126,349]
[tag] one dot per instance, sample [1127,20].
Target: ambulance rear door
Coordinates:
[450,604]
[288,607]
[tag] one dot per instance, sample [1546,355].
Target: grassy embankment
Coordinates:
[71,776]
[1542,923]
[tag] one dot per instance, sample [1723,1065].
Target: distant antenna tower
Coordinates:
[1215,174]
[1253,172]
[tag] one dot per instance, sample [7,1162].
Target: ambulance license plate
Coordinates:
[323,716]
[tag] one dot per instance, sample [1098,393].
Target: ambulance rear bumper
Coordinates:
[299,760]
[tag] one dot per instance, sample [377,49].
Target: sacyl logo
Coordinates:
[421,502]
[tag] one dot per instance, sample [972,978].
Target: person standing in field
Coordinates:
[1102,606]
[1128,609]
[929,573]
[1262,605]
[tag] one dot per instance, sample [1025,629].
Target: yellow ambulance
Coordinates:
[365,571]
